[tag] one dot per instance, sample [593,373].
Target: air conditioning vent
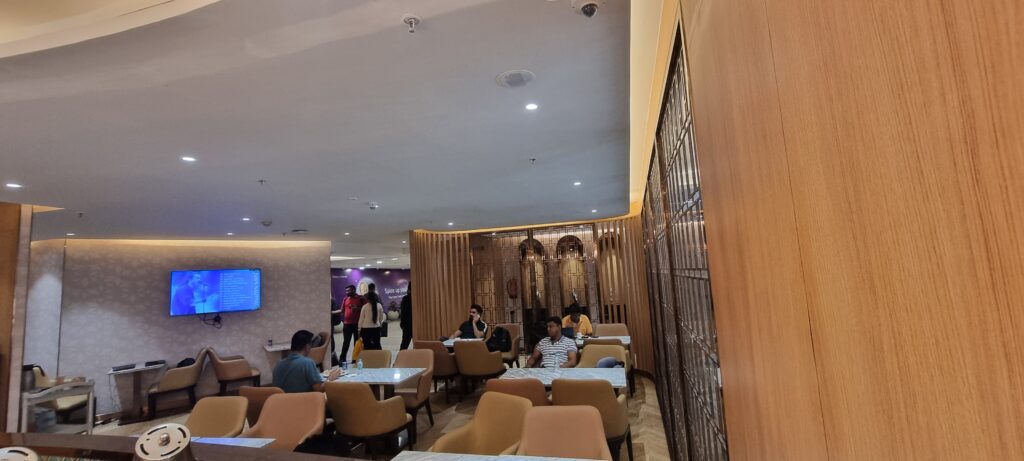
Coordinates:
[514,78]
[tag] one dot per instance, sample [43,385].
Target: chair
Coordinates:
[476,362]
[445,367]
[217,417]
[256,396]
[64,406]
[176,380]
[417,396]
[594,351]
[233,369]
[495,428]
[360,417]
[611,329]
[375,359]
[317,354]
[515,330]
[531,389]
[600,395]
[588,440]
[289,419]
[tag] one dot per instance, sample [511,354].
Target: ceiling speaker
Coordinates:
[514,78]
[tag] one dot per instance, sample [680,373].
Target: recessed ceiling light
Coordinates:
[394,259]
[70,234]
[387,272]
[231,233]
[494,233]
[451,224]
[348,270]
[13,185]
[246,219]
[361,268]
[368,264]
[403,241]
[188,158]
[346,233]
[380,262]
[593,211]
[577,183]
[531,106]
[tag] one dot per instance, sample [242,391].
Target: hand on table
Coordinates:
[334,374]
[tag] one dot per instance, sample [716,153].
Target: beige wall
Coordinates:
[45,286]
[861,165]
[115,306]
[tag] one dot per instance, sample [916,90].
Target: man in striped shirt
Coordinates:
[556,350]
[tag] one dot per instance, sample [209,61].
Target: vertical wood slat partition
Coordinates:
[440,282]
[624,283]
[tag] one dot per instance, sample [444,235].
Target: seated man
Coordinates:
[297,372]
[554,351]
[472,327]
[579,322]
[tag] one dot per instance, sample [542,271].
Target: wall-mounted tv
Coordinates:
[214,291]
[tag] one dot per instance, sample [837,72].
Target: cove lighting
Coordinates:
[531,106]
[188,158]
[13,185]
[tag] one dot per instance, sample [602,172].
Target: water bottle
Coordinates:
[359,364]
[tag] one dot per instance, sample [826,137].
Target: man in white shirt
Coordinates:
[555,351]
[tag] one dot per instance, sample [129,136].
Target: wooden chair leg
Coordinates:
[192,396]
[447,391]
[629,443]
[616,449]
[412,433]
[430,414]
[152,407]
[255,381]
[223,388]
[632,383]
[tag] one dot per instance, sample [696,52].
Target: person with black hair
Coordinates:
[554,351]
[579,321]
[473,327]
[371,316]
[351,305]
[297,372]
[405,319]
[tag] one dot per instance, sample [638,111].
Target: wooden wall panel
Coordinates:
[770,388]
[623,281]
[440,278]
[903,133]
[10,232]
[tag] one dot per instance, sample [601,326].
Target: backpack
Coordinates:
[500,340]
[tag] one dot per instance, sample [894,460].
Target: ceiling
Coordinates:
[326,101]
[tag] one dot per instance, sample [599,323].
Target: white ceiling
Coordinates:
[326,100]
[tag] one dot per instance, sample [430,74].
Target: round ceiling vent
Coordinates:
[514,78]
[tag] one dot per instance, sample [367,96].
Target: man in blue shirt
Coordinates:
[297,372]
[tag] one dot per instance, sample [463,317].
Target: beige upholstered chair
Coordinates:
[375,359]
[445,367]
[594,351]
[476,362]
[531,389]
[317,354]
[64,406]
[177,380]
[418,395]
[256,396]
[217,417]
[611,329]
[360,417]
[600,395]
[289,419]
[515,330]
[233,369]
[588,440]
[495,428]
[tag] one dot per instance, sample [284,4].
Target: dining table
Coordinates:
[386,378]
[615,376]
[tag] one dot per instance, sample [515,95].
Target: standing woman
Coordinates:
[406,318]
[370,318]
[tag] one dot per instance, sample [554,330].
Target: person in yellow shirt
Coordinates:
[579,322]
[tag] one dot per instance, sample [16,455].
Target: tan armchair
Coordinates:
[594,351]
[256,396]
[531,389]
[233,369]
[515,330]
[587,433]
[64,406]
[418,395]
[375,359]
[476,362]
[445,367]
[495,428]
[217,417]
[600,395]
[611,329]
[176,380]
[289,419]
[319,353]
[360,417]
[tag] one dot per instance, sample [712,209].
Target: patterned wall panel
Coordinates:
[678,267]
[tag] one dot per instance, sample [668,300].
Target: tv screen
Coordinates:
[214,291]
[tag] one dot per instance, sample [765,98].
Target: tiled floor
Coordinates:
[649,441]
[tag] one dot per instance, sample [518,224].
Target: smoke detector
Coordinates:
[373,205]
[514,78]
